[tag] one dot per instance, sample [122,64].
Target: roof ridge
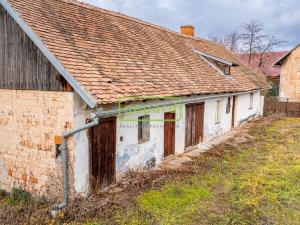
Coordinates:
[118,14]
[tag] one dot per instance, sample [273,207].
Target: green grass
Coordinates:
[2,193]
[257,184]
[15,197]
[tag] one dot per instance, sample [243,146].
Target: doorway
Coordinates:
[194,124]
[103,153]
[169,134]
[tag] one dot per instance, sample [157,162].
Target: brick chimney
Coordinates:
[188,30]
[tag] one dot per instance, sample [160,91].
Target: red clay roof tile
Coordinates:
[112,55]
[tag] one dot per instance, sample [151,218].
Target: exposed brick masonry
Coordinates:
[29,121]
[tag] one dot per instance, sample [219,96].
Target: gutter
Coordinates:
[102,114]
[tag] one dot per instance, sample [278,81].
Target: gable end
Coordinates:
[50,66]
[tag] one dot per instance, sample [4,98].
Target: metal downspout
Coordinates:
[64,157]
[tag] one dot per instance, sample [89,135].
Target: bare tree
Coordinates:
[215,38]
[269,44]
[252,38]
[230,41]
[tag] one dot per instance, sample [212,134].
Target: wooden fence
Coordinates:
[273,106]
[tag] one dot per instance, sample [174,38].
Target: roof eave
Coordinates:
[53,60]
[280,61]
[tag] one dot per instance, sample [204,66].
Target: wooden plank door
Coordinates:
[199,121]
[233,112]
[194,124]
[189,125]
[103,153]
[169,134]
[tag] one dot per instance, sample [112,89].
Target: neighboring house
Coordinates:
[264,63]
[63,64]
[290,75]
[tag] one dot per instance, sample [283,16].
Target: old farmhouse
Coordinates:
[89,94]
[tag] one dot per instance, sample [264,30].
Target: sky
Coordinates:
[218,17]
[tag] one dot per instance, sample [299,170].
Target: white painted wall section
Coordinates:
[130,155]
[81,148]
[211,128]
[243,110]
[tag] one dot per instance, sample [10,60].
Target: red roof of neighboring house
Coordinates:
[111,55]
[267,66]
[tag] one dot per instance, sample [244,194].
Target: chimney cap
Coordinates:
[188,26]
[188,30]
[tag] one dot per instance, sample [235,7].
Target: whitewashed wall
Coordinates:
[211,128]
[243,112]
[81,148]
[133,156]
[130,154]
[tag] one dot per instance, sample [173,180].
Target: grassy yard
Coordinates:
[255,182]
[258,184]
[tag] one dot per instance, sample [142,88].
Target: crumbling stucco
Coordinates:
[29,122]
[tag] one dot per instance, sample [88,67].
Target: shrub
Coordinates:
[18,195]
[2,193]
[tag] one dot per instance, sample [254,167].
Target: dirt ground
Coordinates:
[229,184]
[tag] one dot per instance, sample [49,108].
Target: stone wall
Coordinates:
[29,121]
[290,77]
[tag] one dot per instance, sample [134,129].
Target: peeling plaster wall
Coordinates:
[133,156]
[243,113]
[130,154]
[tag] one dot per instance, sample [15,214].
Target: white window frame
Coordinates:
[251,101]
[218,117]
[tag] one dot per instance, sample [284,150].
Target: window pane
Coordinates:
[144,129]
[251,101]
[227,70]
[228,106]
[218,111]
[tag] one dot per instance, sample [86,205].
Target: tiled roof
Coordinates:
[267,67]
[112,55]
